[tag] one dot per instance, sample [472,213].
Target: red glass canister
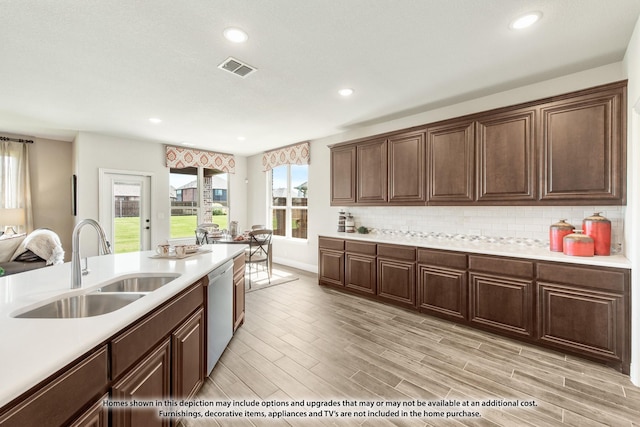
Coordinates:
[599,229]
[557,232]
[577,244]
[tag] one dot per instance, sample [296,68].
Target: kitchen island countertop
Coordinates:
[33,349]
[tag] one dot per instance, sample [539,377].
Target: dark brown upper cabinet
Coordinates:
[505,157]
[565,150]
[343,175]
[407,169]
[450,149]
[371,181]
[583,140]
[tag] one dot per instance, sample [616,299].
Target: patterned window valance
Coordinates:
[297,154]
[179,157]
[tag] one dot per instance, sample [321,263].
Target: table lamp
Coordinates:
[11,218]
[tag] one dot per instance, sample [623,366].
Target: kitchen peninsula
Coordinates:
[84,359]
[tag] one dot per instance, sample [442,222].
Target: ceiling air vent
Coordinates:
[236,67]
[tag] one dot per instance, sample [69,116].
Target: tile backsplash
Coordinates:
[530,222]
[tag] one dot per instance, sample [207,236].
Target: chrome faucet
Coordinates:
[105,248]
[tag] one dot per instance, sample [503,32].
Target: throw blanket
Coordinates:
[44,243]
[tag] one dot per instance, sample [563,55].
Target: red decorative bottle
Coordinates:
[557,232]
[577,244]
[599,229]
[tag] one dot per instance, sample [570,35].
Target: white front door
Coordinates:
[125,210]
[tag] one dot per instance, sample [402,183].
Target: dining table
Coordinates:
[228,240]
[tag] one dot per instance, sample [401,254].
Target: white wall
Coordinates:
[94,151]
[50,170]
[632,68]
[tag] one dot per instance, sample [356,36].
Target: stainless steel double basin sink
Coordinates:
[104,299]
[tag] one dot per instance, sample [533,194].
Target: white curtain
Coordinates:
[15,189]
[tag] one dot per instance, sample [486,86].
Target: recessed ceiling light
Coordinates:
[346,92]
[241,138]
[235,35]
[525,20]
[155,120]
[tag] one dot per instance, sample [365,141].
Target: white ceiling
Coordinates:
[107,66]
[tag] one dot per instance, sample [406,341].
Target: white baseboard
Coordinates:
[299,265]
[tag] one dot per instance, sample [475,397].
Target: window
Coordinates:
[190,206]
[289,200]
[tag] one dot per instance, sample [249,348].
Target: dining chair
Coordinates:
[203,230]
[257,227]
[201,236]
[258,252]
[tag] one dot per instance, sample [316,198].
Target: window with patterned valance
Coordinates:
[180,157]
[298,154]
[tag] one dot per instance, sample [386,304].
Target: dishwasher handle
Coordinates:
[220,271]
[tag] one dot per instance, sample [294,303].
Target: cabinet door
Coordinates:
[331,267]
[505,161]
[188,356]
[238,300]
[583,150]
[372,172]
[407,169]
[397,281]
[586,321]
[238,291]
[501,303]
[96,416]
[450,166]
[442,291]
[343,175]
[361,273]
[148,380]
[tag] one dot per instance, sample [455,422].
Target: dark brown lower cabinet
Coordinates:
[189,364]
[331,261]
[360,267]
[442,283]
[501,294]
[61,399]
[95,416]
[396,281]
[579,309]
[442,291]
[360,274]
[585,310]
[331,267]
[147,381]
[501,303]
[397,274]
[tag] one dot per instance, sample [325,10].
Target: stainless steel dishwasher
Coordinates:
[219,312]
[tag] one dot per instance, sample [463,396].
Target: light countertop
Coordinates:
[523,249]
[33,349]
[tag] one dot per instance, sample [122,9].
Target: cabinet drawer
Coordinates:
[611,280]
[443,258]
[360,247]
[131,345]
[329,243]
[398,252]
[58,401]
[502,266]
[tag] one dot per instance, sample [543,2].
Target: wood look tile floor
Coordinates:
[305,341]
